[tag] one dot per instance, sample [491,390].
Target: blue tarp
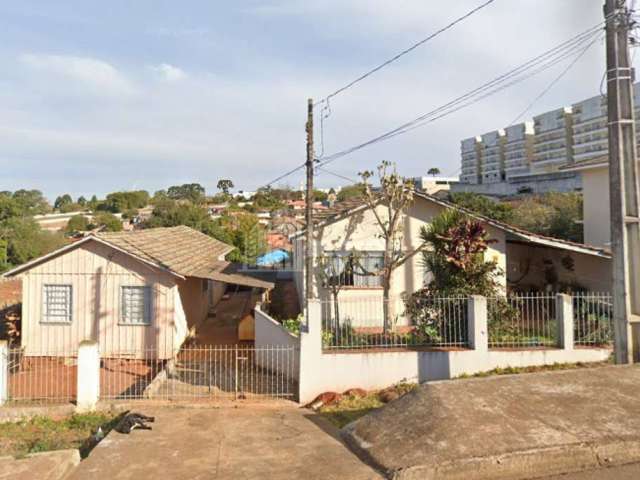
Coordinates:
[273,257]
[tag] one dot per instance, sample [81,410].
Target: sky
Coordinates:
[101,96]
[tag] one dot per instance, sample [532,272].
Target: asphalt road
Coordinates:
[627,472]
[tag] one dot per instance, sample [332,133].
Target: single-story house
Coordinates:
[527,260]
[137,293]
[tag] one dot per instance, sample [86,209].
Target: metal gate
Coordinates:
[203,372]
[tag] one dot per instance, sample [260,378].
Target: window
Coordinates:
[354,270]
[57,304]
[135,306]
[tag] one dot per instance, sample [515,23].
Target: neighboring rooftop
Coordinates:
[182,250]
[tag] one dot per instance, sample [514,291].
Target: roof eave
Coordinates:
[36,261]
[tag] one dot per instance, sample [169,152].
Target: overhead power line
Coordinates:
[542,62]
[404,52]
[555,80]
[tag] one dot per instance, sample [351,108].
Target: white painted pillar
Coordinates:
[88,376]
[478,329]
[4,371]
[310,352]
[564,321]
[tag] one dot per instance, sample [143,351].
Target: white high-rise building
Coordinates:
[471,153]
[553,139]
[519,148]
[590,129]
[493,162]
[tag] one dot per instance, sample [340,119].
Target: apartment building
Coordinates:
[553,140]
[471,169]
[519,149]
[493,159]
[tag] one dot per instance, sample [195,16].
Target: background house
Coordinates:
[135,293]
[527,261]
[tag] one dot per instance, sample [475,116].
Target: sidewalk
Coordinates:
[515,427]
[253,442]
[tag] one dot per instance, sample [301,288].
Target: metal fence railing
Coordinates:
[593,319]
[523,320]
[42,378]
[359,323]
[203,372]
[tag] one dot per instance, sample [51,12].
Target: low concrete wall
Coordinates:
[339,371]
[271,333]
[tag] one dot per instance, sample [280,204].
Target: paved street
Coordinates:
[282,442]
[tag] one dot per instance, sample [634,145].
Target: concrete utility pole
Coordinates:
[308,265]
[623,181]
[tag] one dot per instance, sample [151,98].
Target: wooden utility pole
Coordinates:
[308,265]
[623,183]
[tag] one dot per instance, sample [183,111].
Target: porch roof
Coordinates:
[232,273]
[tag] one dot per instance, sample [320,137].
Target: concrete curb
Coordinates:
[519,465]
[54,465]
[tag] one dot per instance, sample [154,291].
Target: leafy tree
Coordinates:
[171,214]
[503,212]
[77,223]
[70,207]
[351,191]
[108,221]
[118,202]
[31,202]
[455,258]
[81,201]
[268,199]
[9,208]
[62,200]
[193,192]
[224,185]
[24,240]
[319,196]
[433,171]
[243,231]
[93,203]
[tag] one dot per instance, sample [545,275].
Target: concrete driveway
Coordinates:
[248,442]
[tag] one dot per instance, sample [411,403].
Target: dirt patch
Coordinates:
[352,405]
[54,379]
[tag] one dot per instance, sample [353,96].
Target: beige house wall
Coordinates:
[195,300]
[527,267]
[361,232]
[96,274]
[597,219]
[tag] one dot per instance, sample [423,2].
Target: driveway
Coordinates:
[248,442]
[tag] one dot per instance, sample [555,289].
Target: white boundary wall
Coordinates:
[268,333]
[331,371]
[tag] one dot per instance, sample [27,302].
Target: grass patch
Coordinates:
[43,434]
[534,369]
[350,407]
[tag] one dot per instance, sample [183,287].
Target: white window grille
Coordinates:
[56,303]
[135,305]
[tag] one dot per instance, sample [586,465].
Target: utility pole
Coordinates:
[623,183]
[308,265]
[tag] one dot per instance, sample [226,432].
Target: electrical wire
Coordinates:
[532,67]
[555,80]
[404,52]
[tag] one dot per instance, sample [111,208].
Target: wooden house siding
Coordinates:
[96,273]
